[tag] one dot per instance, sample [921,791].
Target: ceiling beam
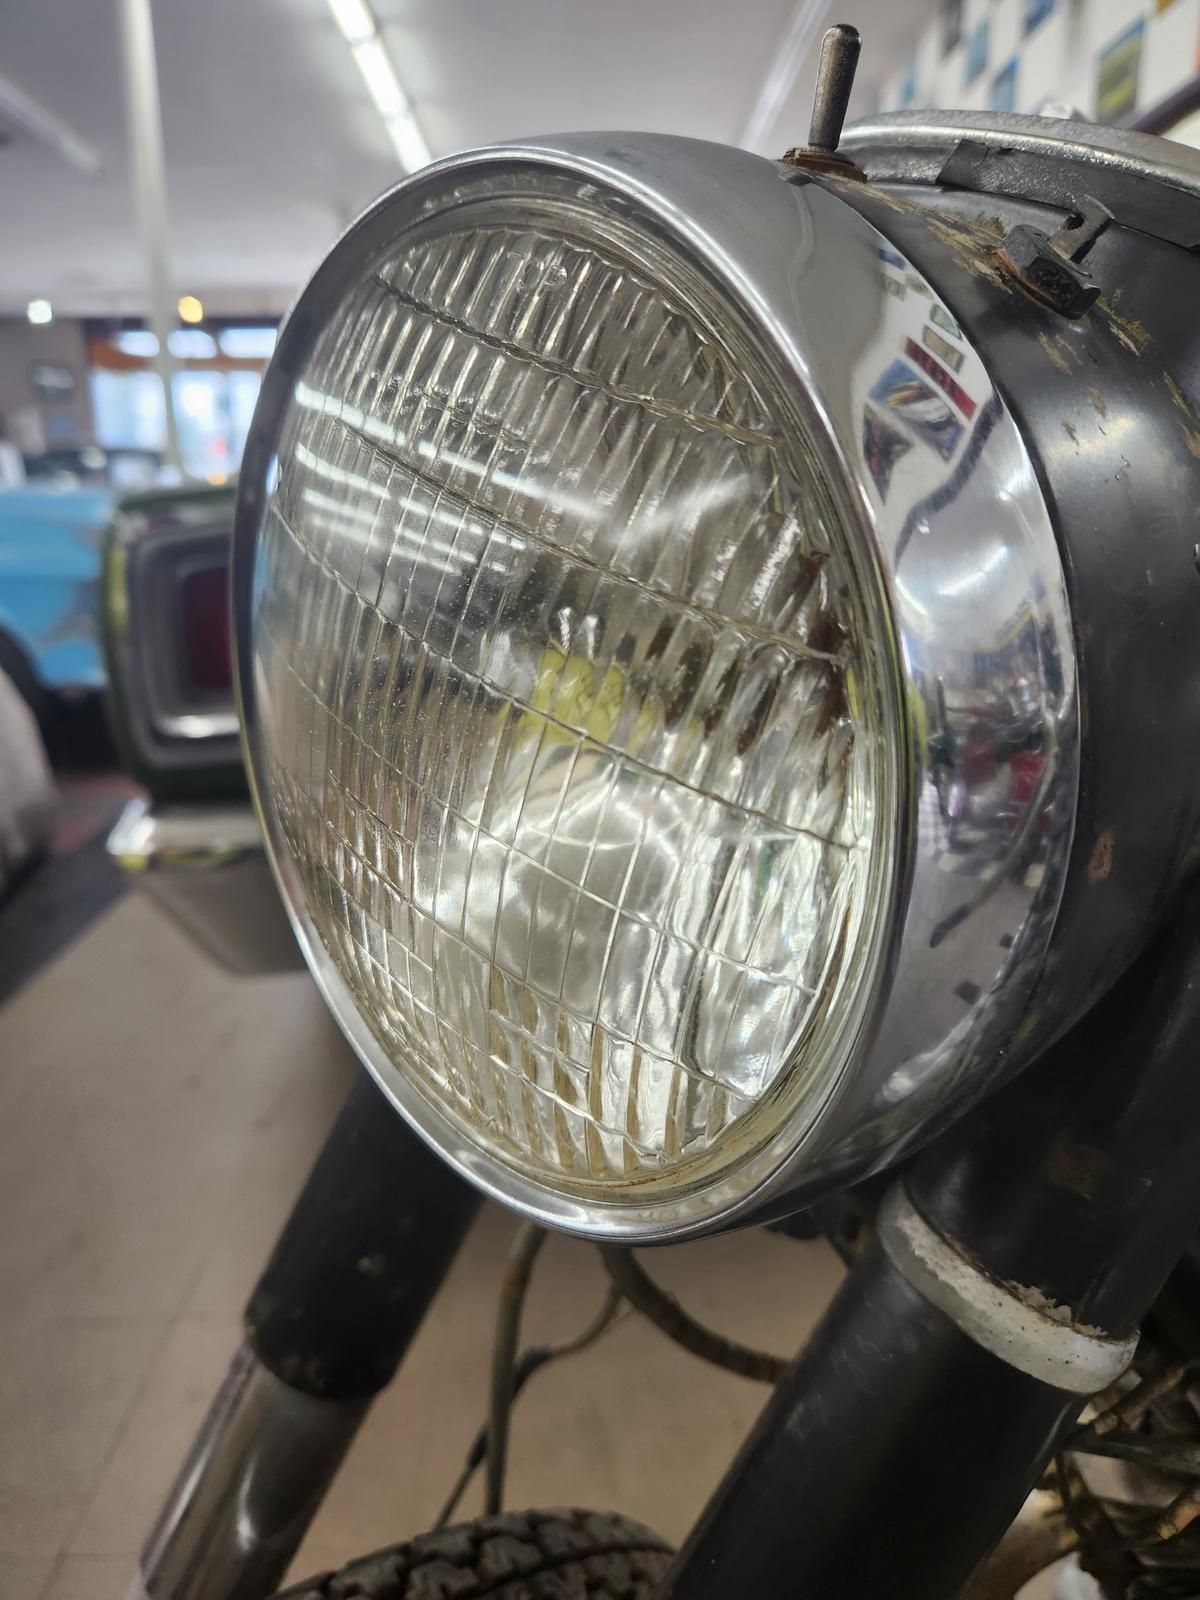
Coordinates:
[48,128]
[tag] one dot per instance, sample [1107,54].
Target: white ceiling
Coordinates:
[272,144]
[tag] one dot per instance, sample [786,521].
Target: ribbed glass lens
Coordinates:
[567,716]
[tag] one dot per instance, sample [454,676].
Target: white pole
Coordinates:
[143,117]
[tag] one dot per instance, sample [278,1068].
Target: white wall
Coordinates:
[1058,60]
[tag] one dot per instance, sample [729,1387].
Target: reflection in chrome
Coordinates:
[990,667]
[255,1474]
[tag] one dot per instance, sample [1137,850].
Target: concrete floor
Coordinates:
[156,1120]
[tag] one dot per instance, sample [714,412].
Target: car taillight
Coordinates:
[206,628]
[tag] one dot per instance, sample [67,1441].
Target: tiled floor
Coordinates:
[156,1119]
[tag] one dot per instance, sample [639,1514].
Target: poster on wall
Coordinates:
[51,381]
[952,19]
[1075,9]
[902,393]
[977,52]
[882,448]
[1002,96]
[1117,74]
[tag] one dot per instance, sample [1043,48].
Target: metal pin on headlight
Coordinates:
[582,687]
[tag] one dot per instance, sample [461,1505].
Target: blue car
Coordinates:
[50,559]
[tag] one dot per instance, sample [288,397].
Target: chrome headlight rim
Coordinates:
[668,184]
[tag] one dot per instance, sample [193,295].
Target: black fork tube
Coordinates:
[905,1438]
[362,1255]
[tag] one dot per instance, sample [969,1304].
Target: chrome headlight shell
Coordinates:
[653,651]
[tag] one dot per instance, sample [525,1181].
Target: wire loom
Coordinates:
[1140,1538]
[629,1283]
[1134,1525]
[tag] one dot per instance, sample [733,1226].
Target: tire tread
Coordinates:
[534,1555]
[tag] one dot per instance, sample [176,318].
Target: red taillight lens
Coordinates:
[206,628]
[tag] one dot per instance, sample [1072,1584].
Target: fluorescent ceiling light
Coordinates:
[39,122]
[781,80]
[354,18]
[408,141]
[40,311]
[359,28]
[380,77]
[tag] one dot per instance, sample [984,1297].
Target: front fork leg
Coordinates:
[1012,1266]
[366,1248]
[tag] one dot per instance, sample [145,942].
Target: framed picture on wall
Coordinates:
[977,52]
[1117,69]
[51,381]
[1003,94]
[908,84]
[952,21]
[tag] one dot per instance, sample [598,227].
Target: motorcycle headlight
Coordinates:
[597,602]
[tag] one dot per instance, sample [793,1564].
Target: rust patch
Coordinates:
[1178,398]
[1180,1514]
[1069,430]
[1028,1026]
[1096,396]
[827,162]
[1078,1168]
[1057,348]
[1191,425]
[1038,1300]
[1192,859]
[1100,865]
[1126,330]
[973,245]
[971,242]
[894,201]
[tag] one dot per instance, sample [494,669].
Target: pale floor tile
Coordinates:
[66,1384]
[90,1578]
[634,1424]
[156,1119]
[157,1433]
[139,1084]
[24,1577]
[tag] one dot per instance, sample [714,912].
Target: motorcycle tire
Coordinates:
[531,1555]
